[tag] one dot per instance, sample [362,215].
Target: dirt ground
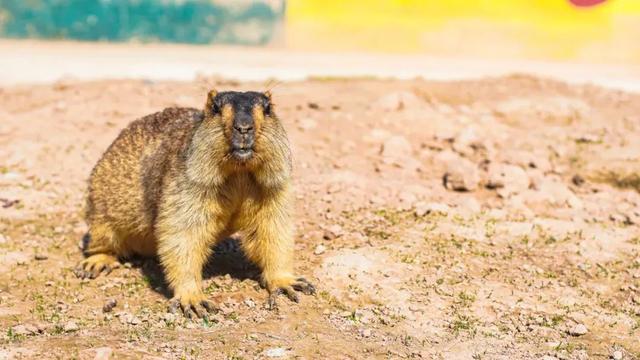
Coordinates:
[489,219]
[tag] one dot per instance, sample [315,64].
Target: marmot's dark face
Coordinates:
[242,114]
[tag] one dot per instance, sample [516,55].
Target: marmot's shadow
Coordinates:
[227,258]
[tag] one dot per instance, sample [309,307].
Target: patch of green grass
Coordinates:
[13,336]
[464,323]
[555,320]
[408,258]
[233,316]
[465,299]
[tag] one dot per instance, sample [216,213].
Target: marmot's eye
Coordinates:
[267,109]
[215,109]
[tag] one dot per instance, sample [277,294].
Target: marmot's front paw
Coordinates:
[92,266]
[288,288]
[192,305]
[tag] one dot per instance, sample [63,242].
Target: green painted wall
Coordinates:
[183,21]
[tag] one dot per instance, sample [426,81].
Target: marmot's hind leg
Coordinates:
[100,250]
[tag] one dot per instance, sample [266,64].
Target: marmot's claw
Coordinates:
[300,284]
[304,286]
[272,303]
[94,265]
[192,308]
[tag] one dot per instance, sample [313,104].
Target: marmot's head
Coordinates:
[249,124]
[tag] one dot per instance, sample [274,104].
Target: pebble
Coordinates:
[332,232]
[275,352]
[24,330]
[461,175]
[397,101]
[169,318]
[508,179]
[365,333]
[70,326]
[109,305]
[103,353]
[577,180]
[578,330]
[132,319]
[320,249]
[424,208]
[307,124]
[616,355]
[3,239]
[397,150]
[250,303]
[466,142]
[40,256]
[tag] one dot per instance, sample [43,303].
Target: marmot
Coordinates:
[174,183]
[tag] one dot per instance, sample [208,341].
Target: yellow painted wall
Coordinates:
[534,29]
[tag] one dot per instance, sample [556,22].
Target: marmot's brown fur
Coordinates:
[176,182]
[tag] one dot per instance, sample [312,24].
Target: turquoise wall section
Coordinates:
[182,21]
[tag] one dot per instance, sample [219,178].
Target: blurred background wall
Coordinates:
[575,30]
[245,22]
[588,30]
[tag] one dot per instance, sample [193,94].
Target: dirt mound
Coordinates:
[497,218]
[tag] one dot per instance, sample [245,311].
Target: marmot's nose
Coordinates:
[243,128]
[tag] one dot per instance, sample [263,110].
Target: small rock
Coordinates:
[365,333]
[307,124]
[508,179]
[577,180]
[467,142]
[320,249]
[578,330]
[461,175]
[313,105]
[109,305]
[132,319]
[70,326]
[169,318]
[397,101]
[423,208]
[103,353]
[275,352]
[250,303]
[332,232]
[40,256]
[396,150]
[3,239]
[617,355]
[24,330]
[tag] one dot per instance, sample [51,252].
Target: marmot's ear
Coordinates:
[268,94]
[211,96]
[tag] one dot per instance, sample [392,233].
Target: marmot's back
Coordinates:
[125,183]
